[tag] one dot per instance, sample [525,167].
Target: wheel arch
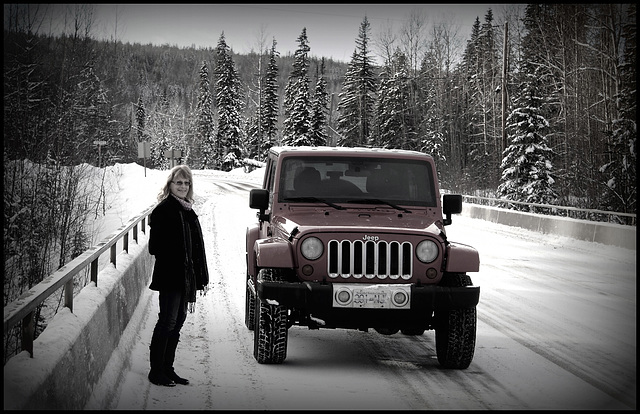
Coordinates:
[273,252]
[462,258]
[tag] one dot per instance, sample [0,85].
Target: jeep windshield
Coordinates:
[367,180]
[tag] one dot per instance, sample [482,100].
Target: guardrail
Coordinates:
[23,309]
[496,202]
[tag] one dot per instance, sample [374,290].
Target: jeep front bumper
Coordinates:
[317,296]
[319,302]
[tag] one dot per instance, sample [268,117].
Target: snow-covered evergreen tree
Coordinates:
[160,141]
[204,150]
[261,129]
[269,105]
[483,74]
[297,102]
[229,136]
[349,107]
[394,125]
[527,169]
[319,109]
[358,96]
[141,120]
[431,136]
[621,171]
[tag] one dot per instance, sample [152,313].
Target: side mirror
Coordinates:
[259,199]
[451,204]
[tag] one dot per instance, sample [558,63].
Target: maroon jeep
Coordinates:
[354,238]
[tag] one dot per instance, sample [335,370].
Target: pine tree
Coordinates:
[319,109]
[205,150]
[357,99]
[261,128]
[141,119]
[160,141]
[483,74]
[430,134]
[229,137]
[269,105]
[395,127]
[297,103]
[527,164]
[349,108]
[621,171]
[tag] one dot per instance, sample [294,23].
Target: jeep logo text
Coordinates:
[371,238]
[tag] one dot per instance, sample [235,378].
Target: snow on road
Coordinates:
[556,330]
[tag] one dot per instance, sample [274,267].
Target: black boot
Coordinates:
[157,354]
[169,357]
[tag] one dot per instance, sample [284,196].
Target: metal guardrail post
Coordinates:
[27,330]
[68,294]
[112,258]
[94,272]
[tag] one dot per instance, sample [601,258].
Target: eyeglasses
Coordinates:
[179,183]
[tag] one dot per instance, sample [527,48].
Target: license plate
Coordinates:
[371,296]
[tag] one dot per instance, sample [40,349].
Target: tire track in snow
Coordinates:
[237,384]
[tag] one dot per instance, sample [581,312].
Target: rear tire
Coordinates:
[455,329]
[271,328]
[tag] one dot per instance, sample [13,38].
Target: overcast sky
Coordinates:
[331,28]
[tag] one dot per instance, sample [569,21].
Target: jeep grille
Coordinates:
[371,259]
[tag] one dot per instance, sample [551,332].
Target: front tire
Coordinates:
[455,329]
[271,328]
[249,307]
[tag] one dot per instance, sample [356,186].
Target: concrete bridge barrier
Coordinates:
[591,231]
[72,353]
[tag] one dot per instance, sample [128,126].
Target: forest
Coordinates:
[538,105]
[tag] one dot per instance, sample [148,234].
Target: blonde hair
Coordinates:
[179,171]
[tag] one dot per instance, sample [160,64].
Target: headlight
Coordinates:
[427,251]
[312,248]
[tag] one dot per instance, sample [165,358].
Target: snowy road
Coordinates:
[556,330]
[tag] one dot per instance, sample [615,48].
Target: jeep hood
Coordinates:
[331,221]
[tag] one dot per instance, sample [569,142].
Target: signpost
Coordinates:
[99,144]
[143,152]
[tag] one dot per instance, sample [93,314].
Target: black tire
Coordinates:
[455,329]
[271,329]
[249,308]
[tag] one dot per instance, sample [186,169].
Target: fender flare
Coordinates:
[462,258]
[252,235]
[273,252]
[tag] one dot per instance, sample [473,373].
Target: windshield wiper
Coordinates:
[315,200]
[378,201]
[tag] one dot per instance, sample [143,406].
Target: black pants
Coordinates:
[173,313]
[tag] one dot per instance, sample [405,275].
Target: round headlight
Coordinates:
[427,251]
[312,248]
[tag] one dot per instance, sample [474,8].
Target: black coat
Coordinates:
[169,222]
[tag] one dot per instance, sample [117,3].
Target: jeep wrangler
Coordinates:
[354,238]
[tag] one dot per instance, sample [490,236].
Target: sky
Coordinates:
[556,326]
[331,28]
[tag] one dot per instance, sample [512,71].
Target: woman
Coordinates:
[180,269]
